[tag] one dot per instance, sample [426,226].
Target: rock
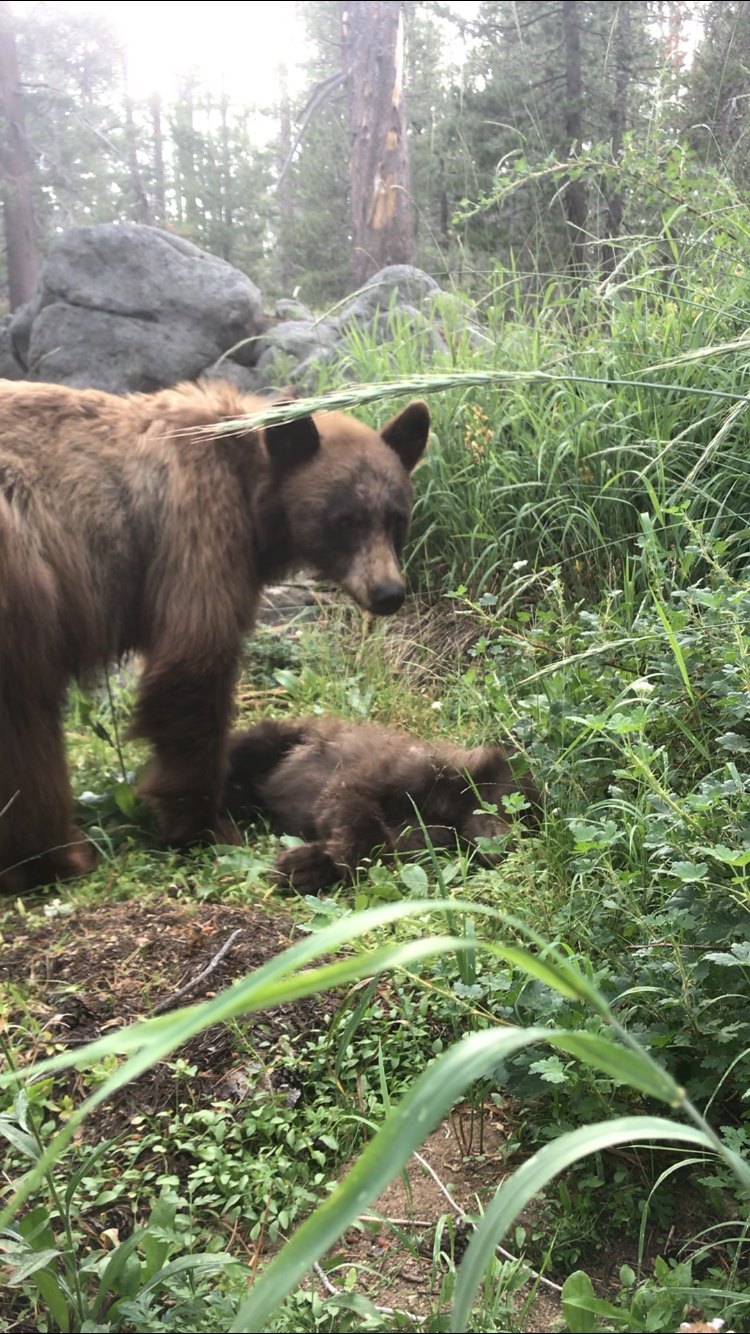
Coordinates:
[288,308]
[19,329]
[400,283]
[94,349]
[10,368]
[314,343]
[306,343]
[245,378]
[126,307]
[297,339]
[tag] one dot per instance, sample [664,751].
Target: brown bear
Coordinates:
[351,789]
[126,524]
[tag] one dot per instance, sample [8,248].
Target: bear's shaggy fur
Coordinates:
[351,789]
[126,525]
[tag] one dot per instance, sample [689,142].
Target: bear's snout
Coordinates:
[386,597]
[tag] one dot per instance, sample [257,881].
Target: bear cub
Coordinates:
[350,789]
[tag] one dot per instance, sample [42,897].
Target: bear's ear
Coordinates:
[408,433]
[489,764]
[291,443]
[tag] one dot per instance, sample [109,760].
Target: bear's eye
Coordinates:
[398,526]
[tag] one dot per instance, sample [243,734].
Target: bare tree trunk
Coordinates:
[622,46]
[373,62]
[160,195]
[140,209]
[575,190]
[286,201]
[225,203]
[183,134]
[19,220]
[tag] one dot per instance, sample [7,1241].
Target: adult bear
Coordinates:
[351,789]
[125,524]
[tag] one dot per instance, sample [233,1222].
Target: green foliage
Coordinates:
[154,1276]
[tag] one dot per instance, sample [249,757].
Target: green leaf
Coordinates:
[581,1307]
[115,1268]
[729,856]
[578,1287]
[29,1266]
[551,1069]
[126,800]
[688,871]
[637,1069]
[204,1263]
[20,1139]
[415,879]
[54,1297]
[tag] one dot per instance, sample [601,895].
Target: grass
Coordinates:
[581,538]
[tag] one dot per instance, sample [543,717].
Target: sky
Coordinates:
[234,44]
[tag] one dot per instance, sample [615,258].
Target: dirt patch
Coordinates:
[88,972]
[462,1164]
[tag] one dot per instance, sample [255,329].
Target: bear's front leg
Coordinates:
[185,713]
[351,826]
[349,822]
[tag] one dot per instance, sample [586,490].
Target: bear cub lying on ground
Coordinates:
[350,790]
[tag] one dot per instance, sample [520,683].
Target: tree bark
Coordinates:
[622,44]
[575,191]
[19,219]
[286,201]
[160,197]
[373,63]
[140,209]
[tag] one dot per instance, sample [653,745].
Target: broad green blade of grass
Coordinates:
[629,1067]
[535,1174]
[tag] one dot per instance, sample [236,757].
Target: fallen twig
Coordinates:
[196,981]
[383,1310]
[461,1213]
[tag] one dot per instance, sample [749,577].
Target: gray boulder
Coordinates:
[314,343]
[10,367]
[288,308]
[19,329]
[245,378]
[126,307]
[297,339]
[400,284]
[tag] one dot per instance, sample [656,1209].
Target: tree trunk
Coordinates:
[622,55]
[183,134]
[373,63]
[575,190]
[286,200]
[140,209]
[225,202]
[19,220]
[160,197]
